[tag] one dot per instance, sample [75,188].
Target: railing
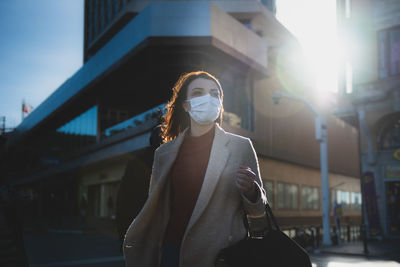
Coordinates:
[310,237]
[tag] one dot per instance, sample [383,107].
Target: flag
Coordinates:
[26,108]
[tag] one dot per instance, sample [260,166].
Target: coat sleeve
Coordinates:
[255,210]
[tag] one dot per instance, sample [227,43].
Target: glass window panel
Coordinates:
[80,124]
[310,198]
[305,197]
[355,201]
[389,52]
[81,130]
[95,17]
[395,52]
[343,198]
[94,121]
[269,189]
[346,200]
[315,198]
[287,196]
[333,197]
[294,196]
[382,40]
[281,196]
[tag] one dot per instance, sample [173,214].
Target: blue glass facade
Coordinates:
[84,125]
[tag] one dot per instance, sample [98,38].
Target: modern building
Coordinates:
[78,142]
[370,101]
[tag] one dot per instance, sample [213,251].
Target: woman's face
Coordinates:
[199,87]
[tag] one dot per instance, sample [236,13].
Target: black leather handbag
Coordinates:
[273,249]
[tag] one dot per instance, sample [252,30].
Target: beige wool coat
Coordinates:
[217,218]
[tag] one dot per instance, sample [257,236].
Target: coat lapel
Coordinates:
[167,158]
[216,164]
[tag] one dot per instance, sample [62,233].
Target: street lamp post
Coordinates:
[322,137]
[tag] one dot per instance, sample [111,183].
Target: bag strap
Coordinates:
[271,216]
[271,221]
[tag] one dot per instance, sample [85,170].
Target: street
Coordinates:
[72,249]
[90,250]
[349,261]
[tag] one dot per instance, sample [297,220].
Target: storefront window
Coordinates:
[269,189]
[355,201]
[343,198]
[309,198]
[333,198]
[287,196]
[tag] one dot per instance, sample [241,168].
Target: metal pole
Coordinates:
[325,189]
[363,204]
[321,136]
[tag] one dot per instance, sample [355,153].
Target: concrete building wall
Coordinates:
[234,34]
[287,131]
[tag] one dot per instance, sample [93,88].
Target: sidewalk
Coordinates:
[69,249]
[384,249]
[70,241]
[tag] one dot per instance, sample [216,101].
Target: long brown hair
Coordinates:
[176,119]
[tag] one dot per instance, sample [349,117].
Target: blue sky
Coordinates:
[41,46]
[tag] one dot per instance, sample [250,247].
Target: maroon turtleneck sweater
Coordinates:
[187,175]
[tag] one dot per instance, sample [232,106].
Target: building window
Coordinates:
[333,198]
[269,190]
[116,6]
[309,198]
[101,19]
[108,11]
[287,196]
[389,52]
[343,198]
[355,201]
[390,138]
[95,18]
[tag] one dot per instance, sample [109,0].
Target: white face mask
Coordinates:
[204,109]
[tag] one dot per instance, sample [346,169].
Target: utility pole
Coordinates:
[321,135]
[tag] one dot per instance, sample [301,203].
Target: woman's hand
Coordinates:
[246,183]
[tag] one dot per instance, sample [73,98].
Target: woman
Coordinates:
[203,181]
